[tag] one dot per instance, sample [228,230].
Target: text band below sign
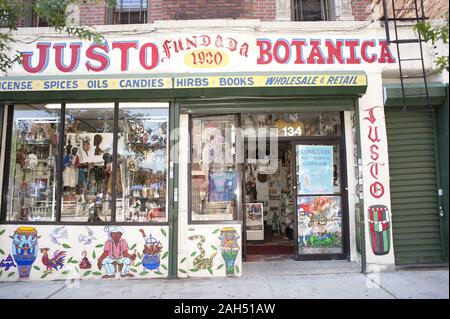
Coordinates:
[270,81]
[187,82]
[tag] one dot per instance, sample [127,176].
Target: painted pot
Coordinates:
[229,248]
[151,262]
[24,249]
[379,229]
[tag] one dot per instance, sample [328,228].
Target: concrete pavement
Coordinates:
[268,280]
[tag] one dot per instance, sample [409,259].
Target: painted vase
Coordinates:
[151,262]
[379,226]
[229,248]
[24,249]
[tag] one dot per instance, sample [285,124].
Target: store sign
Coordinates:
[315,169]
[226,81]
[161,54]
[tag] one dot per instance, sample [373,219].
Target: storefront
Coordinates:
[184,153]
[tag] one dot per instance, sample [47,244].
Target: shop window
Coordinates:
[142,158]
[87,163]
[214,172]
[33,170]
[91,189]
[293,124]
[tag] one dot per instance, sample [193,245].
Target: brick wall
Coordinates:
[434,9]
[204,9]
[362,9]
[93,12]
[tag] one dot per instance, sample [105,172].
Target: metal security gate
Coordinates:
[414,182]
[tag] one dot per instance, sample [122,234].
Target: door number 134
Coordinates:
[291,131]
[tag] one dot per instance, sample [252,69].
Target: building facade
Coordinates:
[183,147]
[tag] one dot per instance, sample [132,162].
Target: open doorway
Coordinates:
[270,209]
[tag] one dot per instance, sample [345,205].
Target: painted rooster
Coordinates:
[55,261]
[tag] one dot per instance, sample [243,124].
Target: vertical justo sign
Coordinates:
[376,186]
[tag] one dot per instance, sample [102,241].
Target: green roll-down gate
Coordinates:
[415,182]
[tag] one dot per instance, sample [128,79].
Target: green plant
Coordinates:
[54,12]
[434,34]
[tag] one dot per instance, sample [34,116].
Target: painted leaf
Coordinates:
[139,255]
[97,273]
[194,270]
[87,273]
[44,275]
[138,264]
[133,270]
[165,255]
[183,260]
[65,272]
[182,270]
[66,246]
[133,246]
[193,254]
[210,270]
[99,246]
[237,268]
[220,266]
[2,232]
[191,229]
[94,255]
[213,247]
[74,261]
[10,274]
[2,252]
[158,273]
[70,260]
[143,273]
[164,266]
[216,231]
[36,267]
[163,232]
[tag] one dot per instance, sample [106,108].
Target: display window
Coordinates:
[33,171]
[87,163]
[94,137]
[142,157]
[214,170]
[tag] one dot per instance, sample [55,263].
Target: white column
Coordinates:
[375,163]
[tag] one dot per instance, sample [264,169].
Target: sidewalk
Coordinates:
[272,280]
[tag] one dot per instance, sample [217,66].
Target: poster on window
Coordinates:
[222,187]
[315,169]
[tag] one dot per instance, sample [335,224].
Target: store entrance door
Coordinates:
[320,200]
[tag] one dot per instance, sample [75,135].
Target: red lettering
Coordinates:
[334,51]
[298,51]
[265,57]
[276,52]
[74,56]
[365,44]
[315,56]
[371,117]
[43,49]
[154,56]
[353,59]
[96,56]
[373,134]
[374,155]
[385,54]
[124,47]
[377,189]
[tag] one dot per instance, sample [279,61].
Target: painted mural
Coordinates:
[376,163]
[45,252]
[213,251]
[319,224]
